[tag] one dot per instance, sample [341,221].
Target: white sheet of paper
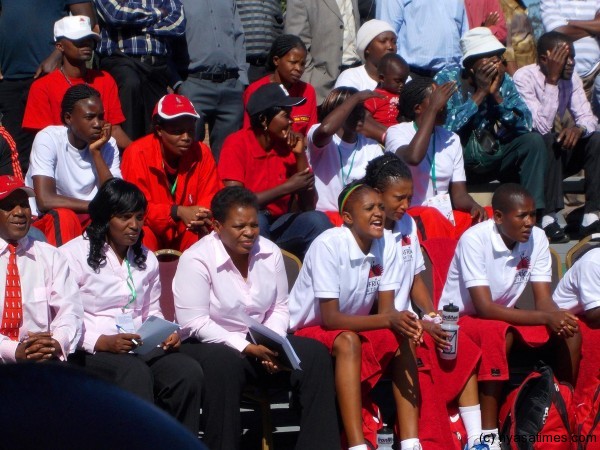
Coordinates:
[154,331]
[442,203]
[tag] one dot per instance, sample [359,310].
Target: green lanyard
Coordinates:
[431,160]
[174,186]
[345,177]
[130,285]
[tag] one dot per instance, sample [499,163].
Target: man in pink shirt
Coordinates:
[40,310]
[550,89]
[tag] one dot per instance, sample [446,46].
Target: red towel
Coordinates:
[440,252]
[441,382]
[378,348]
[589,368]
[489,336]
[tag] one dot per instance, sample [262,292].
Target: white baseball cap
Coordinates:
[74,28]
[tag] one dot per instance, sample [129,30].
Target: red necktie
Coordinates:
[12,317]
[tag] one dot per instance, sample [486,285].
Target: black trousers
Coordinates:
[13,98]
[172,381]
[226,373]
[141,86]
[564,163]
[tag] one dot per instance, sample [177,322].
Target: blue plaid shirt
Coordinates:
[512,114]
[139,27]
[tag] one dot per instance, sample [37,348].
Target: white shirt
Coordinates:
[335,267]
[50,297]
[212,297]
[579,289]
[482,259]
[406,241]
[330,175]
[53,156]
[444,147]
[356,77]
[105,293]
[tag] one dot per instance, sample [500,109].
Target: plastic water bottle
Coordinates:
[385,439]
[450,326]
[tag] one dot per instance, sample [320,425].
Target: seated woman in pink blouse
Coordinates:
[119,287]
[226,277]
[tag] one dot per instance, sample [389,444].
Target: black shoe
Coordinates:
[590,229]
[555,234]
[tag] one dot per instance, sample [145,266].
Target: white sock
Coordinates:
[588,219]
[471,417]
[549,219]
[409,444]
[359,447]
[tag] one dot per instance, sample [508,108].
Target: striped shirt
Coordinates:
[557,13]
[140,27]
[263,22]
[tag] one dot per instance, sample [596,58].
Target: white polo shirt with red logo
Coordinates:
[336,268]
[483,259]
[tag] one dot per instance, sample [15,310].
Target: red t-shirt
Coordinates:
[197,180]
[243,159]
[304,116]
[46,94]
[384,110]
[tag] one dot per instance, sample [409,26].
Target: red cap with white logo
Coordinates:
[172,106]
[9,184]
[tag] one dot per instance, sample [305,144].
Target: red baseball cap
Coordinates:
[172,106]
[9,184]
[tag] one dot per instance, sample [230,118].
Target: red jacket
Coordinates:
[197,180]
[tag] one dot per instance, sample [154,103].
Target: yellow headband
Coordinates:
[345,199]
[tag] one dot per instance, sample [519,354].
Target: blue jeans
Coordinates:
[293,232]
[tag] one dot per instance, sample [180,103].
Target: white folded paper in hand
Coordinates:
[154,331]
[262,335]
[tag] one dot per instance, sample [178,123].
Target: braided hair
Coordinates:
[281,46]
[384,170]
[73,95]
[413,94]
[115,196]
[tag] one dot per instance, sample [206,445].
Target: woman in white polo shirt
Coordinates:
[434,156]
[579,292]
[119,287]
[337,152]
[579,289]
[345,268]
[446,383]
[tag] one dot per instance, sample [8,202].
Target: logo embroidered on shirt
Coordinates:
[523,263]
[522,275]
[376,270]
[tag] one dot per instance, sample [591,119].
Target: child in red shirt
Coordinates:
[393,73]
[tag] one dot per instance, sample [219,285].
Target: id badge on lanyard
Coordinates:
[124,320]
[441,202]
